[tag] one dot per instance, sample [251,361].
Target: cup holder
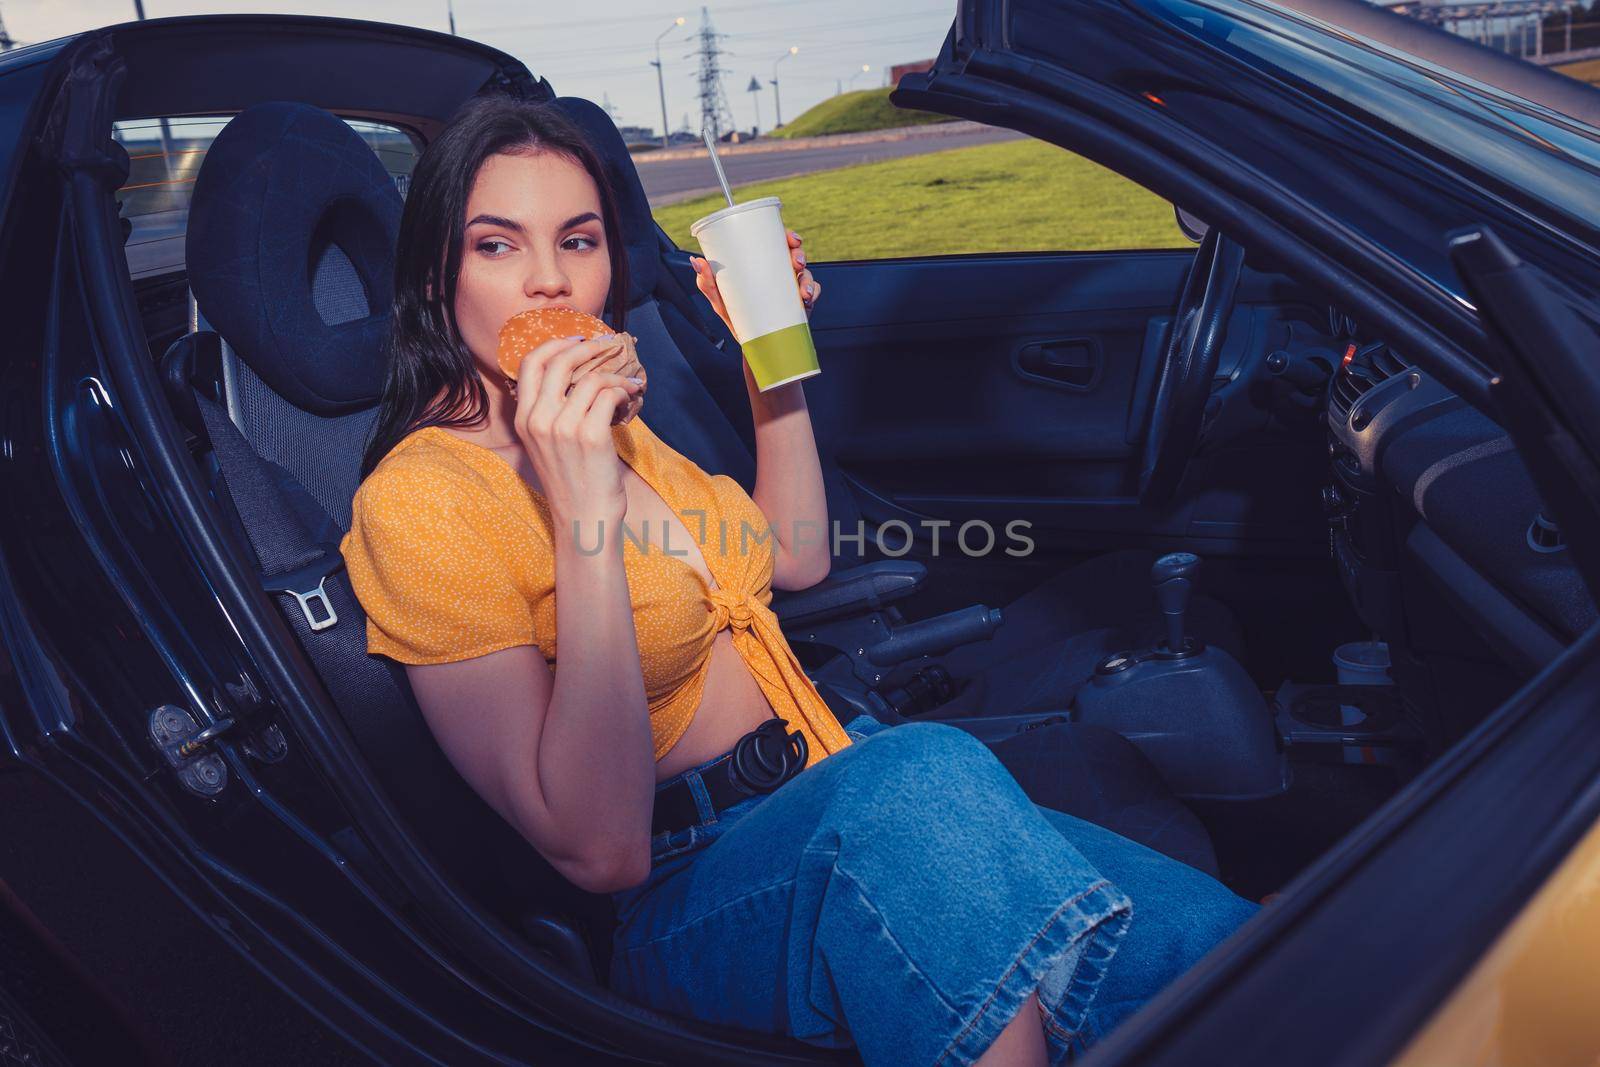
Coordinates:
[1325,707]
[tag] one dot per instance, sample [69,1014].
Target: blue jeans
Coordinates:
[905,896]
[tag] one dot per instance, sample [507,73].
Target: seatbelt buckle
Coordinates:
[318,596]
[313,600]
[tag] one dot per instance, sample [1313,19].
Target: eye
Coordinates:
[579,242]
[482,245]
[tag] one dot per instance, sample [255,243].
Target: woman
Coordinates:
[897,890]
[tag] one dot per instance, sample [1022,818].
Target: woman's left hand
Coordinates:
[810,288]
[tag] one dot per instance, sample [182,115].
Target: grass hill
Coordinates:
[1015,196]
[865,109]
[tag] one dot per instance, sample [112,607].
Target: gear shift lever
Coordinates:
[1173,577]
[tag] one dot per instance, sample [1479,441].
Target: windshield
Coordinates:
[1383,140]
[1531,147]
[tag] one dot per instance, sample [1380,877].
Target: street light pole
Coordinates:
[865,67]
[661,83]
[777,103]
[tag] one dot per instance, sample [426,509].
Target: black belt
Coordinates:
[759,762]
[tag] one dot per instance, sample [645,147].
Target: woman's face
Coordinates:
[534,238]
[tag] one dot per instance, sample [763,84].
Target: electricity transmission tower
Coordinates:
[715,113]
[6,43]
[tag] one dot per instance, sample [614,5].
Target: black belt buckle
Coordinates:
[766,757]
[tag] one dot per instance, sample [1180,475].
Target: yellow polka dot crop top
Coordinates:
[451,555]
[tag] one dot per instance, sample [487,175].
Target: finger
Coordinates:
[613,358]
[798,258]
[606,410]
[557,377]
[531,373]
[808,287]
[584,391]
[707,283]
[584,398]
[794,239]
[583,394]
[623,359]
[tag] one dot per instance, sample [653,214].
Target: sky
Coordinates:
[603,48]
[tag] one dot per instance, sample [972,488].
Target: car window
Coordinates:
[164,158]
[964,189]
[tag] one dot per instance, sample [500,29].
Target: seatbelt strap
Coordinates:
[291,562]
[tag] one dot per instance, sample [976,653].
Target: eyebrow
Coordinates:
[511,224]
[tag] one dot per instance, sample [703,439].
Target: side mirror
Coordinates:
[1193,227]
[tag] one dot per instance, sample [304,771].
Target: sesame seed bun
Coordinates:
[526,331]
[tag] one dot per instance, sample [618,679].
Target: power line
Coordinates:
[715,113]
[811,26]
[728,9]
[857,47]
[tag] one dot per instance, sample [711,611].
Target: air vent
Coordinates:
[1361,369]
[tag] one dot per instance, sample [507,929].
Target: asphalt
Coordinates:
[667,181]
[157,244]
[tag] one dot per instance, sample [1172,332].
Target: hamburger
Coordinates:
[527,330]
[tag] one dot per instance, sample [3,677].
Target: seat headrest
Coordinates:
[638,226]
[291,242]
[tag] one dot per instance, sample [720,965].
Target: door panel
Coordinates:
[932,413]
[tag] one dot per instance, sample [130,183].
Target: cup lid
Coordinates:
[718,216]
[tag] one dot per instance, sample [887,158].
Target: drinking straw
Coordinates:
[711,147]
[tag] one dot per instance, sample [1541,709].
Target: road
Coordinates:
[156,245]
[669,180]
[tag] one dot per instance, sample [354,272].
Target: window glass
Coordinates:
[966,189]
[164,158]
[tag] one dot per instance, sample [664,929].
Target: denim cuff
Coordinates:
[1064,963]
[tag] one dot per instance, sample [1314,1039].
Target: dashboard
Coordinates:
[1434,521]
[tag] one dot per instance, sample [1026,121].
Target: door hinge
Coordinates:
[184,744]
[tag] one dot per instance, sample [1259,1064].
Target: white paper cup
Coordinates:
[747,247]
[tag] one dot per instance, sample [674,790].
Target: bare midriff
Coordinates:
[731,704]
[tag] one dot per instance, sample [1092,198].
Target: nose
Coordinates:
[546,278]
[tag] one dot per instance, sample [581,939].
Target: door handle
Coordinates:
[1070,361]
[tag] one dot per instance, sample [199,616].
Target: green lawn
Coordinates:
[1017,196]
[865,109]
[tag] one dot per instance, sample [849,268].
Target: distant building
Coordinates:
[897,71]
[638,134]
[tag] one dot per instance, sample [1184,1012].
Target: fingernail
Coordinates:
[811,290]
[636,381]
[801,256]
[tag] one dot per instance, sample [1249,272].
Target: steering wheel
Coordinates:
[1194,344]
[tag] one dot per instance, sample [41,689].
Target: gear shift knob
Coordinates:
[1173,576]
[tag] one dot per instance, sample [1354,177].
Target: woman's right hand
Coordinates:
[567,435]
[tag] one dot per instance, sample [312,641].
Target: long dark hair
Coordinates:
[432,379]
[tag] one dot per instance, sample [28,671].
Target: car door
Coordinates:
[1016,386]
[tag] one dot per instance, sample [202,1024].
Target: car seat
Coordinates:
[288,339]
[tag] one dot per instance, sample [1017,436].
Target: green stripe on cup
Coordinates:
[781,356]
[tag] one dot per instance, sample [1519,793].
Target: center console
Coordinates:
[1373,396]
[1190,708]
